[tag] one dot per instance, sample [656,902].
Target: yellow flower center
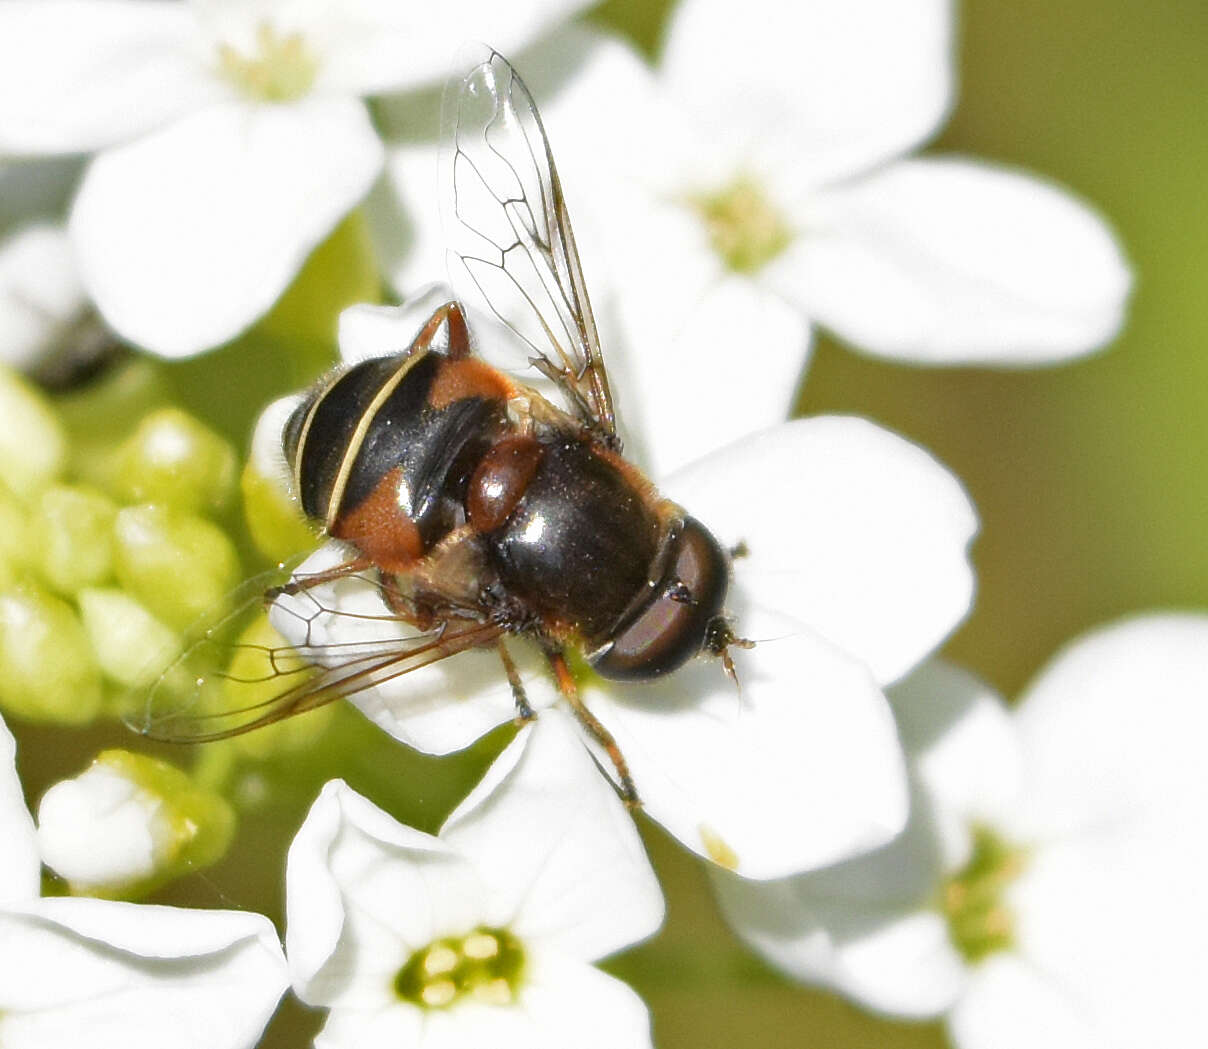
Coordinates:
[487,964]
[744,228]
[972,899]
[282,69]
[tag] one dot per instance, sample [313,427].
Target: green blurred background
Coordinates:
[1089,477]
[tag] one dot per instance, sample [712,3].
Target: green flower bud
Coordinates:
[263,666]
[129,823]
[178,565]
[74,530]
[276,523]
[132,647]
[47,668]
[17,551]
[33,444]
[275,520]
[173,458]
[99,415]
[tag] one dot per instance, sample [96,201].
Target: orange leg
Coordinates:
[570,691]
[459,333]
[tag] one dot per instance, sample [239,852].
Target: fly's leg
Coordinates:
[300,584]
[570,692]
[524,711]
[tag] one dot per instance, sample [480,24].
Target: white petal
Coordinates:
[19,866]
[691,372]
[189,235]
[570,1004]
[77,75]
[962,746]
[866,927]
[437,709]
[1113,729]
[123,976]
[404,217]
[267,456]
[799,770]
[948,261]
[566,867]
[396,1024]
[851,529]
[1116,921]
[563,1003]
[869,928]
[372,46]
[1008,1005]
[362,893]
[1111,906]
[376,331]
[40,293]
[101,829]
[824,89]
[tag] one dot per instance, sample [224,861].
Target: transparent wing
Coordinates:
[511,249]
[239,673]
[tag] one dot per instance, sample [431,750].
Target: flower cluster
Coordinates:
[111,549]
[1046,890]
[108,973]
[873,819]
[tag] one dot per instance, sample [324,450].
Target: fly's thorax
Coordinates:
[579,541]
[381,452]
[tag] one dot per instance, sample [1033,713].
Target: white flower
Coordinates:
[19,864]
[127,823]
[485,934]
[857,568]
[42,302]
[1048,890]
[120,975]
[230,137]
[758,183]
[41,299]
[102,829]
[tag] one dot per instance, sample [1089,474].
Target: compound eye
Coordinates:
[671,627]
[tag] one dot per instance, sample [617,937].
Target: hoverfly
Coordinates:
[480,508]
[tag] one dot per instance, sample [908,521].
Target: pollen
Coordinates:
[486,965]
[972,900]
[440,960]
[481,946]
[282,69]
[744,227]
[718,849]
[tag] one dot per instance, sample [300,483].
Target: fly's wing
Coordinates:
[511,249]
[240,673]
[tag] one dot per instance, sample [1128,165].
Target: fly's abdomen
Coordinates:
[381,454]
[579,543]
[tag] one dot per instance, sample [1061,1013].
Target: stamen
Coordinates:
[979,922]
[744,227]
[282,70]
[486,964]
